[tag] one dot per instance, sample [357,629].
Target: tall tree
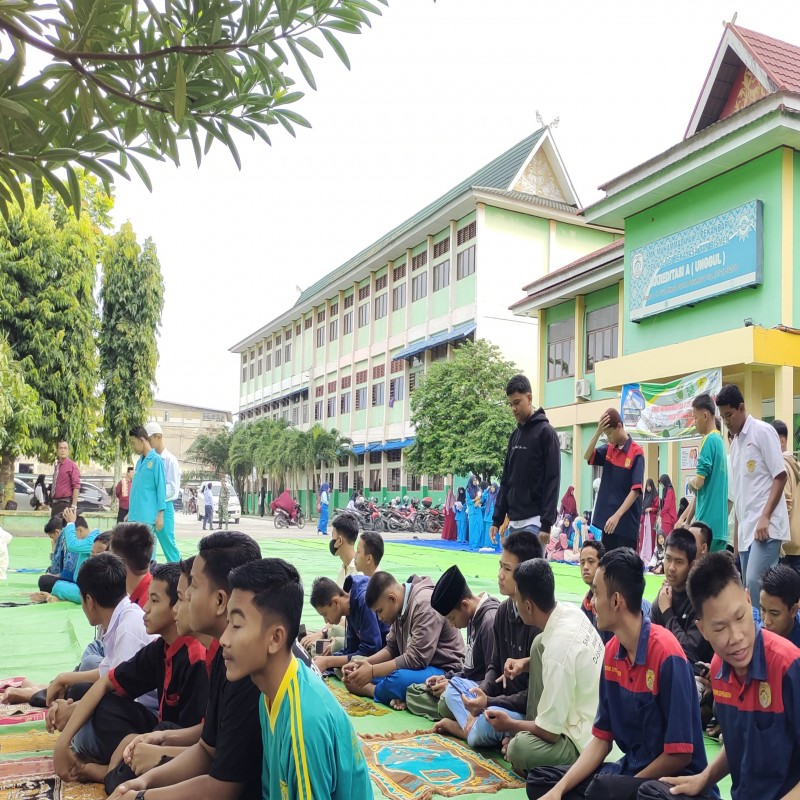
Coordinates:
[132,299]
[122,81]
[460,414]
[213,450]
[317,447]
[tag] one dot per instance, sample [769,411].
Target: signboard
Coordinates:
[709,259]
[663,411]
[689,457]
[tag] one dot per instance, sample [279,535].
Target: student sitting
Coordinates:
[703,536]
[62,562]
[648,703]
[420,642]
[755,676]
[780,602]
[172,666]
[135,544]
[453,600]
[564,668]
[364,635]
[505,685]
[591,553]
[225,762]
[369,552]
[310,749]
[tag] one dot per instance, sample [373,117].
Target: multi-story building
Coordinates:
[354,346]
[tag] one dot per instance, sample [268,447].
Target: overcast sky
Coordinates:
[436,91]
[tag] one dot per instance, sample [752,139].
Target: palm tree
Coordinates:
[320,446]
[213,451]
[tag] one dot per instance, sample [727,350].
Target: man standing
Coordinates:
[149,487]
[618,508]
[223,503]
[66,481]
[758,477]
[208,507]
[532,469]
[123,493]
[172,476]
[791,549]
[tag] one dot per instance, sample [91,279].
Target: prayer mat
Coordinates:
[418,765]
[20,712]
[34,741]
[10,683]
[34,779]
[354,705]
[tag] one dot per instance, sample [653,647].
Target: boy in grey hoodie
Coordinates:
[420,644]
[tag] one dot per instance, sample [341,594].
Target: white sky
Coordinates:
[436,91]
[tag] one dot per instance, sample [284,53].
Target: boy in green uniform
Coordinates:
[310,748]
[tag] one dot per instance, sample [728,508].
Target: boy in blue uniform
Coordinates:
[149,487]
[648,701]
[780,602]
[755,677]
[310,748]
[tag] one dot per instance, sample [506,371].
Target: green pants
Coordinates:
[421,702]
[336,638]
[526,751]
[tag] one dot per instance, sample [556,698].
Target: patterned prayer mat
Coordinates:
[356,706]
[33,741]
[20,712]
[418,765]
[33,779]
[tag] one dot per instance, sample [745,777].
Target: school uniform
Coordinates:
[310,749]
[648,708]
[364,635]
[66,587]
[177,674]
[794,633]
[148,490]
[681,621]
[712,496]
[172,478]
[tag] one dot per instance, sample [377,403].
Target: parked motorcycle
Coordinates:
[283,520]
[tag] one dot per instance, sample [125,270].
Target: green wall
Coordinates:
[346,345]
[465,290]
[796,262]
[499,219]
[440,302]
[581,238]
[379,330]
[419,310]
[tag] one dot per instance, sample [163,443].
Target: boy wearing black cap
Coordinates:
[453,599]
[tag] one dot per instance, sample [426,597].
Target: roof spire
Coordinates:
[733,19]
[540,121]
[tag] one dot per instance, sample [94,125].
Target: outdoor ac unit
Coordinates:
[565,441]
[583,390]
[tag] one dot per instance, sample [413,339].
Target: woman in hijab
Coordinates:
[449,527]
[475,500]
[460,508]
[488,512]
[322,508]
[669,511]
[647,527]
[568,504]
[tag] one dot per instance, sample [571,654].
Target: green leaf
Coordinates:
[302,63]
[58,185]
[87,110]
[13,109]
[60,154]
[10,180]
[226,135]
[132,129]
[198,152]
[180,92]
[307,44]
[336,45]
[74,190]
[141,172]
[37,189]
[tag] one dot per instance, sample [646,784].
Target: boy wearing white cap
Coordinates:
[172,476]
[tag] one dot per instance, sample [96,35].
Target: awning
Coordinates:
[360,449]
[459,332]
[376,447]
[398,444]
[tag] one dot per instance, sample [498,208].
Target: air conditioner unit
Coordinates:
[583,390]
[565,441]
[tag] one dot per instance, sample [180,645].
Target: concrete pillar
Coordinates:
[580,337]
[577,458]
[651,462]
[673,461]
[784,396]
[753,394]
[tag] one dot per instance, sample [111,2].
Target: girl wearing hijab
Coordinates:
[475,502]
[647,528]
[568,504]
[322,507]
[491,498]
[460,508]
[449,527]
[669,511]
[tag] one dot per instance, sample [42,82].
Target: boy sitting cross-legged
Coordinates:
[310,747]
[173,666]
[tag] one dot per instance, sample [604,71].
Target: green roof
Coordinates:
[497,174]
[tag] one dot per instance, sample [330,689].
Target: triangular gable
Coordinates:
[543,174]
[747,66]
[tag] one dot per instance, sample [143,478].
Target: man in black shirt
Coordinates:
[226,763]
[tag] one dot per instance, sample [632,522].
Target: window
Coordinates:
[380,283]
[414,483]
[343,481]
[297,329]
[244,358]
[378,390]
[561,349]
[320,337]
[399,297]
[361,376]
[333,330]
[348,301]
[363,292]
[305,413]
[436,483]
[360,460]
[441,275]
[321,316]
[260,350]
[278,357]
[252,371]
[394,456]
[344,407]
[419,287]
[319,391]
[166,416]
[602,335]
[439,353]
[269,345]
[440,248]
[418,262]
[466,233]
[334,309]
[295,414]
[346,382]
[358,480]
[268,362]
[277,340]
[308,322]
[347,323]
[318,409]
[260,370]
[376,457]
[361,399]
[398,366]
[381,306]
[393,480]
[413,380]
[465,263]
[287,353]
[378,371]
[363,315]
[288,334]
[374,480]
[399,272]
[331,387]
[396,390]
[331,406]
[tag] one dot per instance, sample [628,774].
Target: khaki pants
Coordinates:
[335,637]
[421,702]
[526,751]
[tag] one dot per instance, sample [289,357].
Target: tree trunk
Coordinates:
[117,475]
[6,478]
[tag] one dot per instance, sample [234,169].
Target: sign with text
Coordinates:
[709,259]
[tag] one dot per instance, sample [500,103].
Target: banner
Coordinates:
[663,411]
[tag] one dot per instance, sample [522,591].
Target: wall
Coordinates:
[560,392]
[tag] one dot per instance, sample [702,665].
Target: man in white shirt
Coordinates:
[565,665]
[757,477]
[172,475]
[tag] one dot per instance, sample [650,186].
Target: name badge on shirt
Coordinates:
[149,465]
[751,465]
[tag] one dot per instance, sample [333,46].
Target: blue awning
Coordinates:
[360,449]
[398,444]
[376,447]
[459,332]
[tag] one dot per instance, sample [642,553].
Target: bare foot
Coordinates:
[449,727]
[504,747]
[91,773]
[21,694]
[398,705]
[40,597]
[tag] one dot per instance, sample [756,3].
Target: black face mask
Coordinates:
[332,547]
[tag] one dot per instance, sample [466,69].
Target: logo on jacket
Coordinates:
[764,695]
[650,679]
[751,465]
[627,463]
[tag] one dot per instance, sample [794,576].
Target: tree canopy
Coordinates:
[460,414]
[126,81]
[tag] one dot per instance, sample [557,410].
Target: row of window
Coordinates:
[397,392]
[602,342]
[393,481]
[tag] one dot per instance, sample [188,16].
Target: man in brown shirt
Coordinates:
[421,643]
[66,481]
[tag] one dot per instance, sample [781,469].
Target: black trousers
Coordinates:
[57,506]
[655,790]
[117,717]
[611,541]
[47,582]
[121,514]
[598,787]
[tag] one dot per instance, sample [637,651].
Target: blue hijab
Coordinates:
[472,487]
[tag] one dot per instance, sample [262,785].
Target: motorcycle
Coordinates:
[283,520]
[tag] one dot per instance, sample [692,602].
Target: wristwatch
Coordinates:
[140,794]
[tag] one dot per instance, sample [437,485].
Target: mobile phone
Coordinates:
[700,669]
[320,645]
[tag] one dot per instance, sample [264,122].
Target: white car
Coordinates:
[234,506]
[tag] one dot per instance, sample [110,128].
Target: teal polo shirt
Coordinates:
[148,489]
[712,498]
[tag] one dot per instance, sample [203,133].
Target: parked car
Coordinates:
[93,498]
[234,506]
[22,494]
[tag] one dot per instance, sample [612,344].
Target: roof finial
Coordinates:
[733,19]
[540,121]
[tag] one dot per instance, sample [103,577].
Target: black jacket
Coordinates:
[480,640]
[681,620]
[531,474]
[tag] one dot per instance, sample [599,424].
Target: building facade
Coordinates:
[355,345]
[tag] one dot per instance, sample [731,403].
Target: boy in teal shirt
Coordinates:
[79,541]
[149,486]
[310,748]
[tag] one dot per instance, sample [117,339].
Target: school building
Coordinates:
[707,274]
[354,346]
